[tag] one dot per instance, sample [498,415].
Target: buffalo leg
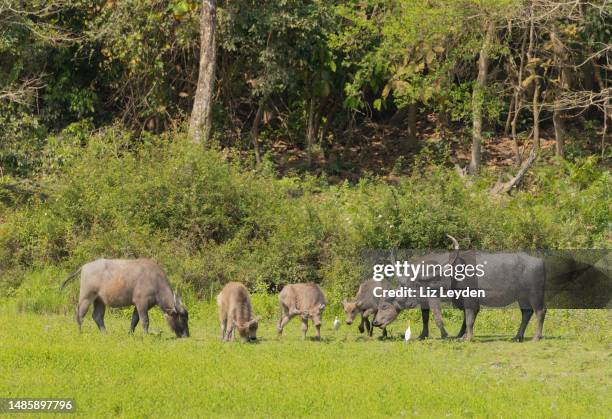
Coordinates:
[384,333]
[81,311]
[282,323]
[284,319]
[462,330]
[304,328]
[223,328]
[369,325]
[317,324]
[526,316]
[435,307]
[470,318]
[135,319]
[98,314]
[425,316]
[540,314]
[143,313]
[361,325]
[230,333]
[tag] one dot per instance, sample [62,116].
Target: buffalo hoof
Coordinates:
[361,329]
[422,337]
[518,339]
[536,338]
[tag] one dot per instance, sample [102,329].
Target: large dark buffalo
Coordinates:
[508,278]
[128,282]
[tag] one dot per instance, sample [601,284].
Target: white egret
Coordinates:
[408,333]
[336,324]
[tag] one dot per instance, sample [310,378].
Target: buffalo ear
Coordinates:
[396,305]
[344,303]
[254,320]
[178,301]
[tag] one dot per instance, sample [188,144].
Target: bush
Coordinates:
[208,222]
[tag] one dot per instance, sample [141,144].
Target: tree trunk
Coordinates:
[200,124]
[518,92]
[536,115]
[409,114]
[478,98]
[311,134]
[536,82]
[254,134]
[604,133]
[509,117]
[564,84]
[559,132]
[412,120]
[606,111]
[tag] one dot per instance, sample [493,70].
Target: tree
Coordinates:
[478,97]
[200,124]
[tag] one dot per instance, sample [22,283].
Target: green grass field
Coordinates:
[346,375]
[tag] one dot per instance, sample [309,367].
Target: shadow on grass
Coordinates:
[510,338]
[490,338]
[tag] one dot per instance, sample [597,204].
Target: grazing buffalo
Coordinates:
[365,304]
[506,278]
[389,308]
[305,300]
[122,283]
[234,303]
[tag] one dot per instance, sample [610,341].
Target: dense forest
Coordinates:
[272,141]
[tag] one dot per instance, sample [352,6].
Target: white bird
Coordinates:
[336,324]
[408,333]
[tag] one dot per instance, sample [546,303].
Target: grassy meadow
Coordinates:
[567,374]
[208,221]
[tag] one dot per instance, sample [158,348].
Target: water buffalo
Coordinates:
[507,278]
[389,308]
[234,303]
[305,300]
[365,304]
[128,282]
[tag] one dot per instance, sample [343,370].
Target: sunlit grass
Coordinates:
[347,375]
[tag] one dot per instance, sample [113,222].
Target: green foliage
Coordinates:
[144,53]
[22,141]
[208,222]
[413,51]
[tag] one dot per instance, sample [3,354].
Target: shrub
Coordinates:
[208,222]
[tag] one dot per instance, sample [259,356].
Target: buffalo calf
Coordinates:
[365,305]
[305,300]
[236,312]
